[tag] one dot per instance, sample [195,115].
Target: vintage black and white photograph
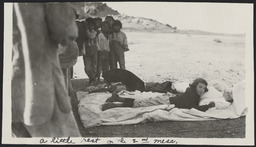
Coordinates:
[128,73]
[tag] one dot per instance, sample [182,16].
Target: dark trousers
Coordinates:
[90,66]
[160,87]
[117,55]
[103,63]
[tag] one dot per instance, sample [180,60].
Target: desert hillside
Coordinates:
[141,23]
[93,9]
[99,9]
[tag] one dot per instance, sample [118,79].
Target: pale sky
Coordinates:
[213,17]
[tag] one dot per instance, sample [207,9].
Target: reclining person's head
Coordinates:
[200,85]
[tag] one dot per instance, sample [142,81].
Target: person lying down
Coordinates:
[189,99]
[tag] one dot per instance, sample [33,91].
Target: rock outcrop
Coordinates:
[99,9]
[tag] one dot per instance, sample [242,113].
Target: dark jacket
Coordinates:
[126,77]
[189,99]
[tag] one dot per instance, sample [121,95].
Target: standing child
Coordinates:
[90,57]
[103,49]
[118,45]
[97,22]
[110,19]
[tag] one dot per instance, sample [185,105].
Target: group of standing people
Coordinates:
[104,46]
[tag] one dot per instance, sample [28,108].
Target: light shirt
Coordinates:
[120,37]
[102,43]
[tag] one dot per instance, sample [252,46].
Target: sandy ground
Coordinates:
[157,57]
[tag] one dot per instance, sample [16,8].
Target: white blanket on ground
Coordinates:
[91,114]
